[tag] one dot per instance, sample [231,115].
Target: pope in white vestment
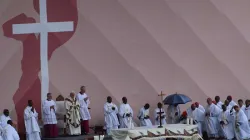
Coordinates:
[157,115]
[173,114]
[226,123]
[126,115]
[110,115]
[211,119]
[241,126]
[198,117]
[84,101]
[143,116]
[73,119]
[30,121]
[9,132]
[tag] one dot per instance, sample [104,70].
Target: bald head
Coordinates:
[72,94]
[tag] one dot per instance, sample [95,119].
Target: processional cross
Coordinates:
[44,27]
[160,113]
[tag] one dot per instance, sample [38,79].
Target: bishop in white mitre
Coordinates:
[125,114]
[247,110]
[73,119]
[211,119]
[241,127]
[9,132]
[226,123]
[49,117]
[198,117]
[30,121]
[83,99]
[110,115]
[143,116]
[174,114]
[158,115]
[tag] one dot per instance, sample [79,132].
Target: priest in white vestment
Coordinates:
[241,127]
[73,119]
[4,118]
[230,100]
[211,120]
[143,116]
[199,106]
[30,121]
[218,102]
[110,115]
[49,117]
[241,104]
[198,117]
[173,114]
[126,114]
[84,101]
[247,110]
[226,123]
[157,115]
[9,132]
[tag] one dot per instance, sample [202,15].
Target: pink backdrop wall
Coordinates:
[133,48]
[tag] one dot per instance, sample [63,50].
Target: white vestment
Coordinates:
[211,121]
[198,117]
[10,133]
[228,129]
[144,113]
[60,112]
[126,122]
[84,111]
[3,120]
[219,104]
[247,112]
[232,103]
[173,114]
[157,117]
[31,125]
[110,117]
[243,107]
[241,126]
[49,115]
[201,108]
[73,119]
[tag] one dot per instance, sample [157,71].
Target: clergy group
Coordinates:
[217,120]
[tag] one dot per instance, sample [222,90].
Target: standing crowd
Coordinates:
[218,120]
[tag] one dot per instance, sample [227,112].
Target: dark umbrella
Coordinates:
[176,99]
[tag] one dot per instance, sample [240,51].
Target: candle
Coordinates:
[187,120]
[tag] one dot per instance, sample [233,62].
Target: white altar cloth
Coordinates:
[183,131]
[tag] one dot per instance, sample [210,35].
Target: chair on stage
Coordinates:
[60,114]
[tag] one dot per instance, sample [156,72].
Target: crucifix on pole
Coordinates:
[44,27]
[160,108]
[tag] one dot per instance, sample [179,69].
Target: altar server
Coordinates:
[211,120]
[4,118]
[73,119]
[173,114]
[49,117]
[125,114]
[110,115]
[30,121]
[9,132]
[242,129]
[198,117]
[226,123]
[84,101]
[157,115]
[143,116]
[218,102]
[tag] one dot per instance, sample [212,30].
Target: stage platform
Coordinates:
[82,137]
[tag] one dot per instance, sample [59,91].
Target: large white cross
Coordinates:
[44,27]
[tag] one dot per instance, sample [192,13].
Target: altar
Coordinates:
[183,131]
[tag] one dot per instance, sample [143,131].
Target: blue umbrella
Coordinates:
[176,99]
